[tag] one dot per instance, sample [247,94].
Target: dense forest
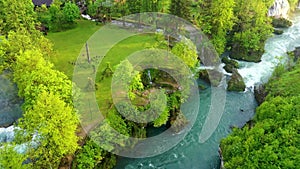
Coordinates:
[50,126]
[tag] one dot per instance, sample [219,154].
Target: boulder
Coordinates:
[296,54]
[230,64]
[236,82]
[239,52]
[260,93]
[214,77]
[278,31]
[281,23]
[229,61]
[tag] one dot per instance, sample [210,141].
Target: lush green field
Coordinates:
[67,45]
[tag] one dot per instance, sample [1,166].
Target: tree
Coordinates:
[44,15]
[135,6]
[71,12]
[34,75]
[16,14]
[19,41]
[271,143]
[52,124]
[181,8]
[216,18]
[186,51]
[58,18]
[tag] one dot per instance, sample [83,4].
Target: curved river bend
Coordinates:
[192,154]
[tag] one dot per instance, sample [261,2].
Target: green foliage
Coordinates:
[43,15]
[186,51]
[108,138]
[15,14]
[55,122]
[116,121]
[89,156]
[284,83]
[33,75]
[293,4]
[58,18]
[134,6]
[19,41]
[92,10]
[107,71]
[181,8]
[9,158]
[71,12]
[128,78]
[271,143]
[135,85]
[251,30]
[162,119]
[215,18]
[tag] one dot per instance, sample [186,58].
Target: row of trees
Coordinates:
[49,123]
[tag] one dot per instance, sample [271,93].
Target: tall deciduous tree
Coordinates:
[33,75]
[15,14]
[20,40]
[52,124]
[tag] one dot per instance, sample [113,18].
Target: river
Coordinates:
[192,154]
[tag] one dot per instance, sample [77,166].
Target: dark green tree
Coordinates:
[181,8]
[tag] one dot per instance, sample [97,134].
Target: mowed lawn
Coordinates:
[68,44]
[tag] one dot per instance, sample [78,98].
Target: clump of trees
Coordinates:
[59,16]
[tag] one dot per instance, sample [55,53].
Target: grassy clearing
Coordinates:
[117,54]
[67,45]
